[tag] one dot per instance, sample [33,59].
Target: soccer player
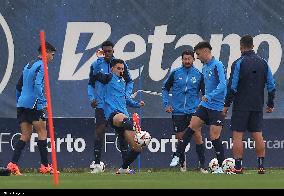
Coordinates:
[250,73]
[31,106]
[210,110]
[116,111]
[96,94]
[186,83]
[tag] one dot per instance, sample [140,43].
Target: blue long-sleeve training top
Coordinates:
[215,84]
[115,94]
[250,73]
[96,90]
[186,84]
[30,87]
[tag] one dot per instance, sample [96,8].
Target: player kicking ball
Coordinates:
[116,102]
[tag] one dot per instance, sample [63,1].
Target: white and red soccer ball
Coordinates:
[213,165]
[142,138]
[228,165]
[97,168]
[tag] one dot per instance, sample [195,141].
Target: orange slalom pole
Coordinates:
[49,109]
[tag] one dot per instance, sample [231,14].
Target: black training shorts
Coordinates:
[30,115]
[210,117]
[180,122]
[247,120]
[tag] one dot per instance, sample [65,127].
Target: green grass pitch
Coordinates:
[165,179]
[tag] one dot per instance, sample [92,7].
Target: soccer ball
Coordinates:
[97,168]
[142,138]
[213,165]
[228,165]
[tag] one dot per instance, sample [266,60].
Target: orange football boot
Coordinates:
[15,170]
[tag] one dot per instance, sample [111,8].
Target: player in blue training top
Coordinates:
[210,110]
[115,108]
[250,73]
[31,106]
[186,83]
[96,94]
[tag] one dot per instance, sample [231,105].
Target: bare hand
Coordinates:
[225,111]
[100,53]
[169,109]
[269,110]
[142,103]
[204,99]
[94,104]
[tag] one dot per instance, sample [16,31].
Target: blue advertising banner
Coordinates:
[144,34]
[74,144]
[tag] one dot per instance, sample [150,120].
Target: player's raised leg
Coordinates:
[125,127]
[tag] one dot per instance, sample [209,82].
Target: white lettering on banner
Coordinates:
[107,141]
[154,145]
[14,139]
[140,48]
[275,49]
[69,141]
[9,67]
[228,144]
[248,144]
[71,144]
[165,144]
[79,145]
[58,144]
[158,41]
[275,144]
[101,31]
[173,141]
[208,144]
[2,141]
[33,143]
[110,138]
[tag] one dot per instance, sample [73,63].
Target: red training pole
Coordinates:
[49,109]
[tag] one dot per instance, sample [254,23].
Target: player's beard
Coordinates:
[188,65]
[107,59]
